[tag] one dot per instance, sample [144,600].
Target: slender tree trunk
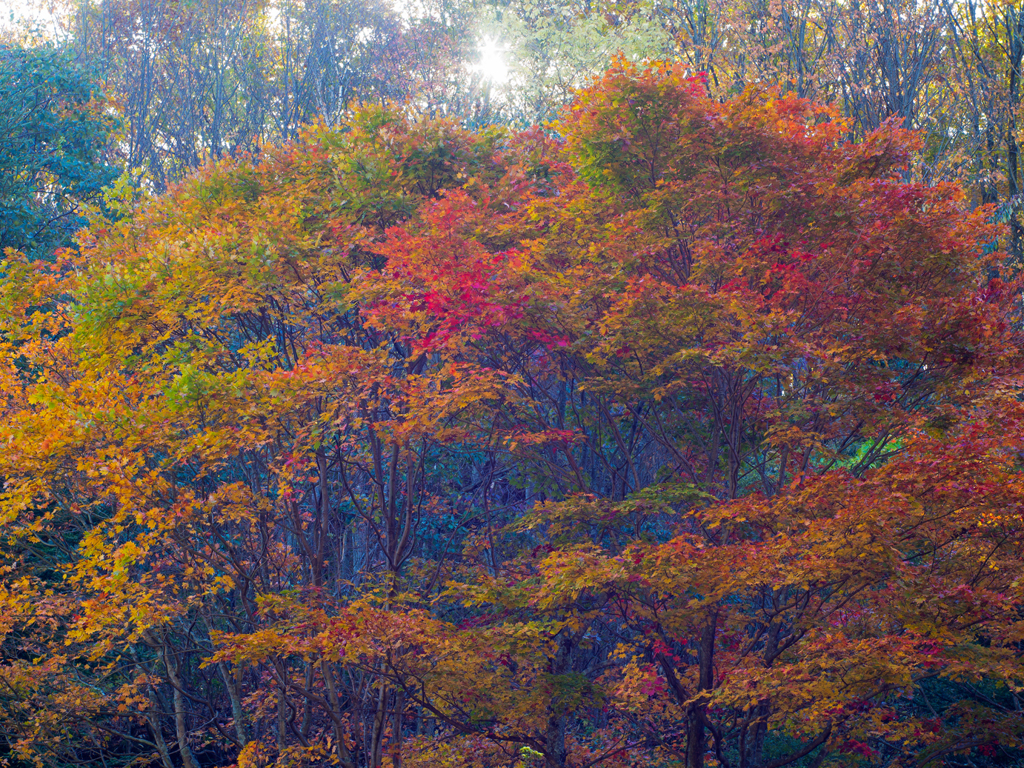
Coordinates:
[396,747]
[555,754]
[231,686]
[1015,44]
[153,720]
[282,718]
[340,746]
[696,730]
[180,715]
[379,721]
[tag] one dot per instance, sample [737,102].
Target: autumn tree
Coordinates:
[710,514]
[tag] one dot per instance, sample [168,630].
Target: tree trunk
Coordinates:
[180,715]
[340,747]
[696,730]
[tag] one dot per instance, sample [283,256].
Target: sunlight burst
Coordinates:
[492,66]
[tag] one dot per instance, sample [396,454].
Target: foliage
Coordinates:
[227,77]
[689,437]
[54,126]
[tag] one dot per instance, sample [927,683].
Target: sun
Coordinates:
[492,65]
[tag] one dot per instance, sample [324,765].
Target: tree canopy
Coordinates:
[54,128]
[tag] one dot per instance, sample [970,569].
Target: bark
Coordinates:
[231,686]
[696,730]
[180,714]
[340,746]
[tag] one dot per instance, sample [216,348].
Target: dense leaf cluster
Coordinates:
[53,130]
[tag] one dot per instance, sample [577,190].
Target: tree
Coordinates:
[55,127]
[697,280]
[692,432]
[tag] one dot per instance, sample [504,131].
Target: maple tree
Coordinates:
[688,434]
